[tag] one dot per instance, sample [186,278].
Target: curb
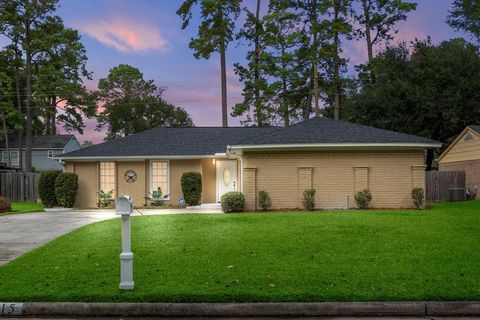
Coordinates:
[288,309]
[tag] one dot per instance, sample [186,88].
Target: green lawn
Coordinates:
[24,207]
[322,256]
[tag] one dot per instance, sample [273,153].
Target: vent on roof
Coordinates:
[468,137]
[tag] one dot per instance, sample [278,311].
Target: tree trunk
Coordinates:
[258,107]
[19,105]
[308,107]
[223,72]
[53,115]
[314,58]
[368,35]
[5,136]
[337,85]
[285,110]
[29,101]
[429,159]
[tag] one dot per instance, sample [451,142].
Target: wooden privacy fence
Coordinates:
[437,184]
[18,186]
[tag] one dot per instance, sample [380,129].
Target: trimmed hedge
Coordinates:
[5,205]
[46,187]
[192,188]
[66,189]
[233,201]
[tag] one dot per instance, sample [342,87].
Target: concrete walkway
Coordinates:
[20,233]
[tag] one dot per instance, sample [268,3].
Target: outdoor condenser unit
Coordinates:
[457,194]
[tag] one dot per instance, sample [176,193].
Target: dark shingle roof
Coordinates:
[200,141]
[41,142]
[324,130]
[195,141]
[475,128]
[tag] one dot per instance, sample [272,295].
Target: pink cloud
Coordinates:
[125,35]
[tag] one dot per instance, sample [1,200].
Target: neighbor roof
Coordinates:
[475,128]
[41,142]
[207,141]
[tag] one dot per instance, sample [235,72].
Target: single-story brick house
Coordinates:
[334,157]
[463,154]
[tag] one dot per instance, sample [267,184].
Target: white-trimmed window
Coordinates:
[107,176]
[14,158]
[159,176]
[50,154]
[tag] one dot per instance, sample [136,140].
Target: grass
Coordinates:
[304,256]
[24,207]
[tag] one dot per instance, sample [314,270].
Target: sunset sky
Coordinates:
[147,34]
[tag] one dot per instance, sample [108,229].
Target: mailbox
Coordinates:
[124,208]
[124,205]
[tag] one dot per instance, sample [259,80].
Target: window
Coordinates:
[468,137]
[50,153]
[14,158]
[107,176]
[159,176]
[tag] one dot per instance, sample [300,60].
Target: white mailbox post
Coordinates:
[124,208]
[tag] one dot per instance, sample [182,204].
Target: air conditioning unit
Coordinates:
[457,194]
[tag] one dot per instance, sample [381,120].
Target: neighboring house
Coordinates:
[334,157]
[44,149]
[463,154]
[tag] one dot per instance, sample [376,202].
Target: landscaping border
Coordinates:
[294,309]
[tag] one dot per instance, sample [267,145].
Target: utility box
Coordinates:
[124,208]
[457,194]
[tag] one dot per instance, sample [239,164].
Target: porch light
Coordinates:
[213,161]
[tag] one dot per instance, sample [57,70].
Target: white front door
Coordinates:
[226,177]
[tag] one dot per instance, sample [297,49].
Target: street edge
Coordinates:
[286,309]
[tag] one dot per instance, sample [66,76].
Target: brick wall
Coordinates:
[87,183]
[336,176]
[136,189]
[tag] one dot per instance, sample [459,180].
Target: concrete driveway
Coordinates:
[20,233]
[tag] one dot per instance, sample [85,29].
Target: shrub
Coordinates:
[264,200]
[309,199]
[157,197]
[192,188]
[363,198]
[5,205]
[46,187]
[105,198]
[417,196]
[66,189]
[233,202]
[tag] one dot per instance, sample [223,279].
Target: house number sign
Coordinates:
[10,308]
[130,176]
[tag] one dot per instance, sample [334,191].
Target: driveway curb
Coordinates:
[329,309]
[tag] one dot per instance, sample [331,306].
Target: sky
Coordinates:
[147,34]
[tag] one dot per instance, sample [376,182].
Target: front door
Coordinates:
[226,177]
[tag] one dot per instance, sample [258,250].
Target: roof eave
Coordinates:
[126,158]
[337,146]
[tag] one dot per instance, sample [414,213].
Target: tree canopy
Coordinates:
[130,104]
[429,90]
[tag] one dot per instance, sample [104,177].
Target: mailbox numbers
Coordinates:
[130,176]
[9,308]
